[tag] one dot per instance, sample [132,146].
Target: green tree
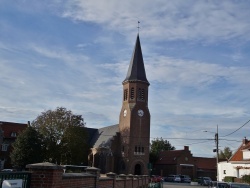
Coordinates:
[158,145]
[226,153]
[71,141]
[53,124]
[27,149]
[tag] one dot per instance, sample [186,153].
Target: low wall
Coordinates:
[48,175]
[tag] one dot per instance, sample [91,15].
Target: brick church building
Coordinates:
[124,148]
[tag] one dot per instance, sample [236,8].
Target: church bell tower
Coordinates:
[134,124]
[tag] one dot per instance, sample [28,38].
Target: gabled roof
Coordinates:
[172,158]
[9,128]
[205,163]
[169,157]
[136,70]
[103,137]
[238,155]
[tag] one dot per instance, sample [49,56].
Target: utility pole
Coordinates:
[217,152]
[216,139]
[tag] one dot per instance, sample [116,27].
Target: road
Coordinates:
[181,185]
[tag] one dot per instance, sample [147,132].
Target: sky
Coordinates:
[75,54]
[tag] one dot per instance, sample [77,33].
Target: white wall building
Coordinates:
[238,165]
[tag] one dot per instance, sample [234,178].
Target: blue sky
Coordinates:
[76,54]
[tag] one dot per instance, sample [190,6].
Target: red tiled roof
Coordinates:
[8,128]
[169,157]
[238,155]
[205,163]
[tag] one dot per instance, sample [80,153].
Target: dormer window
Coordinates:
[246,154]
[13,134]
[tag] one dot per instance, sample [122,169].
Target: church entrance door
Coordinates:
[137,169]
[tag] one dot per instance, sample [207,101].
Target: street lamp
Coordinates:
[216,139]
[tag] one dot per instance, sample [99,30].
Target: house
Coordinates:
[8,133]
[183,162]
[239,164]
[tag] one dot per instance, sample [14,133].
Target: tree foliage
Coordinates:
[226,153]
[72,139]
[55,127]
[27,149]
[158,145]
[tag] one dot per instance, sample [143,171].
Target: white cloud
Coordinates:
[168,20]
[193,73]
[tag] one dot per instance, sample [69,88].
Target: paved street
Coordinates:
[181,185]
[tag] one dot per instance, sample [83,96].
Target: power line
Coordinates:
[199,142]
[236,129]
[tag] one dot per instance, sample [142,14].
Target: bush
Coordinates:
[246,178]
[229,178]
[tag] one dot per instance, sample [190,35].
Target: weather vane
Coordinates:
[138,26]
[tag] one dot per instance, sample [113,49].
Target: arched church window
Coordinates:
[125,95]
[132,93]
[142,94]
[123,166]
[139,93]
[123,149]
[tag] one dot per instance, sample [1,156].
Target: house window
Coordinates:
[132,93]
[13,134]
[224,171]
[5,147]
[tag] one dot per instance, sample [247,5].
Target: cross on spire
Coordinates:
[138,26]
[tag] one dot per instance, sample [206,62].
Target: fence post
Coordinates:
[45,175]
[113,176]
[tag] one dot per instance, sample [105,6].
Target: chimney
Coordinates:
[186,148]
[244,141]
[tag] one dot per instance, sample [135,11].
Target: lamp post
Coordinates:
[216,139]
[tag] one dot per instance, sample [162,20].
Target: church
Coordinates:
[124,148]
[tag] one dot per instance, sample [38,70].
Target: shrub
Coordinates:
[229,178]
[246,178]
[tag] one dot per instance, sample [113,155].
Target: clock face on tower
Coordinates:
[140,113]
[125,113]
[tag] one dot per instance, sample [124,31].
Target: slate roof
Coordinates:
[103,137]
[136,70]
[91,132]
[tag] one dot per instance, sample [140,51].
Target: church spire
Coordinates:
[136,70]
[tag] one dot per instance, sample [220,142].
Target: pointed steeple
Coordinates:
[136,70]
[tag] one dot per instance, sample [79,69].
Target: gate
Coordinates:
[25,176]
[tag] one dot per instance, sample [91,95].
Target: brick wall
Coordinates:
[48,175]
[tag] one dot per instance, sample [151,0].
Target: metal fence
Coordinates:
[25,176]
